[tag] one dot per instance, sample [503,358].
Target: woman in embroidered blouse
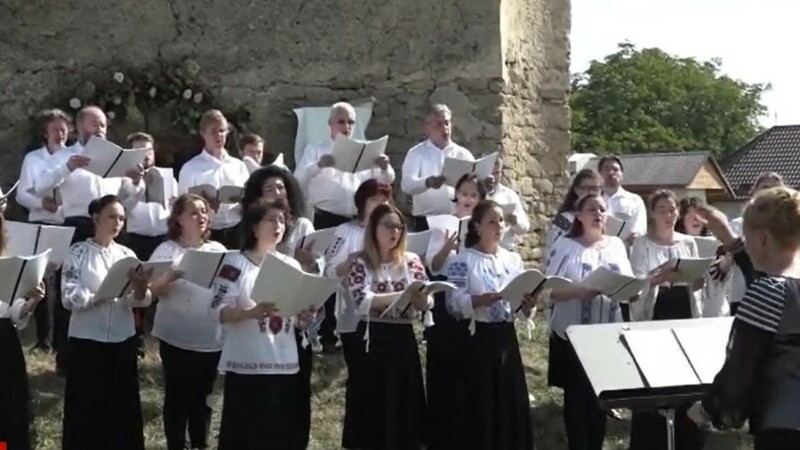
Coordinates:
[276,183]
[575,256]
[14,391]
[259,354]
[586,182]
[758,382]
[663,299]
[391,393]
[348,240]
[102,409]
[494,409]
[190,343]
[448,338]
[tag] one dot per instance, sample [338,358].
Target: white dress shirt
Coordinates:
[624,204]
[34,164]
[330,189]
[218,172]
[253,346]
[147,218]
[80,187]
[504,195]
[101,320]
[199,333]
[427,160]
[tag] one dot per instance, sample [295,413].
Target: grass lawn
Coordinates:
[327,402]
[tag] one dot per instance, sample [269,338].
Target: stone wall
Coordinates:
[502,66]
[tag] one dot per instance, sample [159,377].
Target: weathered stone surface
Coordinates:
[502,67]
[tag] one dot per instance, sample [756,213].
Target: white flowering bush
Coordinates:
[170,90]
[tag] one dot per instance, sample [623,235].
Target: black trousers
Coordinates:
[188,381]
[327,329]
[774,439]
[231,237]
[420,223]
[15,395]
[84,229]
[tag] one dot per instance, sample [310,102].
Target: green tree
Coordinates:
[640,101]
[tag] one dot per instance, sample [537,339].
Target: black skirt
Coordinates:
[303,378]
[447,351]
[649,428]
[101,399]
[390,390]
[354,350]
[498,415]
[15,394]
[260,412]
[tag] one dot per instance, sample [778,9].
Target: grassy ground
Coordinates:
[327,402]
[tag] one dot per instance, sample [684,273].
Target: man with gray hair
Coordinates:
[328,190]
[422,168]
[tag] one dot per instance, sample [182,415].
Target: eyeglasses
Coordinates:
[392,226]
[346,121]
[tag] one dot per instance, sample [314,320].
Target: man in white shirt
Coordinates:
[330,191]
[53,129]
[77,188]
[621,203]
[215,167]
[422,169]
[515,215]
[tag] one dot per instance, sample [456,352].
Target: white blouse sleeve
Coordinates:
[359,286]
[335,253]
[74,296]
[459,303]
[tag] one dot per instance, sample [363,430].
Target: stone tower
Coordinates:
[501,65]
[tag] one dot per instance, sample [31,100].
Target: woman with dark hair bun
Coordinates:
[493,409]
[102,409]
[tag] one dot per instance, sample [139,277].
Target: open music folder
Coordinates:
[455,168]
[224,194]
[201,267]
[160,186]
[418,242]
[27,239]
[449,223]
[317,241]
[117,283]
[402,300]
[109,160]
[351,155]
[290,289]
[21,274]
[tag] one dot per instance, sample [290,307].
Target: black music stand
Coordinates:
[660,365]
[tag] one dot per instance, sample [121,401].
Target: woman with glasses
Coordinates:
[391,389]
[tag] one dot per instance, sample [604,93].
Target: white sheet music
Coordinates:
[27,239]
[351,155]
[117,284]
[621,227]
[291,290]
[317,241]
[613,284]
[312,125]
[200,267]
[449,224]
[660,358]
[707,246]
[688,269]
[418,242]
[160,186]
[21,274]
[225,194]
[526,282]
[455,168]
[402,300]
[706,350]
[109,160]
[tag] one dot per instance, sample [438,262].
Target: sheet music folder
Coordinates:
[617,376]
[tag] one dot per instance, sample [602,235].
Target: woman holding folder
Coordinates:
[447,339]
[574,256]
[664,298]
[276,183]
[390,395]
[15,395]
[189,343]
[102,409]
[259,354]
[494,410]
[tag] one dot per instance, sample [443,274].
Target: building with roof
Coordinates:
[775,150]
